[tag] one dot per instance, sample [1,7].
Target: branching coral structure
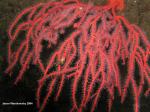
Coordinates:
[85,43]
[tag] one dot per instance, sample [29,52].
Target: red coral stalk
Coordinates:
[86,43]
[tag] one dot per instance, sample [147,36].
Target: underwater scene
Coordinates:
[74,55]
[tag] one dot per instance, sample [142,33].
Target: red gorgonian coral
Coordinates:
[85,43]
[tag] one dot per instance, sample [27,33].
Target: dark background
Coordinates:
[137,12]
